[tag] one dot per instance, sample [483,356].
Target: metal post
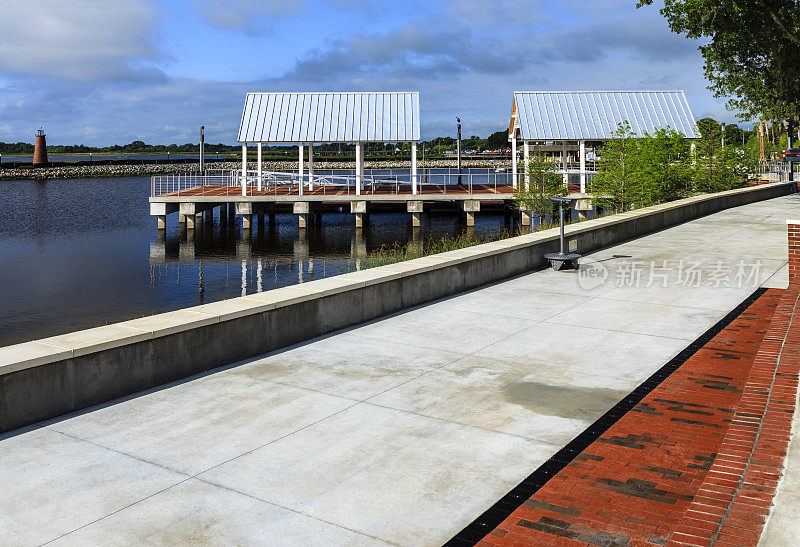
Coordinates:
[244,168]
[300,169]
[564,162]
[514,161]
[202,147]
[414,168]
[359,166]
[582,152]
[526,153]
[259,167]
[561,225]
[458,149]
[311,167]
[789,131]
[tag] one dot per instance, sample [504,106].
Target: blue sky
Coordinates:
[111,71]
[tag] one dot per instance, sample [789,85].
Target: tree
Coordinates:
[718,167]
[662,168]
[544,183]
[498,140]
[752,55]
[614,185]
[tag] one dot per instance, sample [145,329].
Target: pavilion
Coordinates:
[562,116]
[329,117]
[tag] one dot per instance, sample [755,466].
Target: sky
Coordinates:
[101,72]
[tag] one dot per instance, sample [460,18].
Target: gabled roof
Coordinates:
[594,115]
[330,117]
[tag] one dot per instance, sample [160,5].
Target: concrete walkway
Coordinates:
[400,431]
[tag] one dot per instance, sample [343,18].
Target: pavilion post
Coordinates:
[311,167]
[564,162]
[582,152]
[514,161]
[526,153]
[359,167]
[414,168]
[244,168]
[259,167]
[300,169]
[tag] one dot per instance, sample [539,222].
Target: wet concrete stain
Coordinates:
[573,402]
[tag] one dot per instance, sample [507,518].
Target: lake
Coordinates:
[78,253]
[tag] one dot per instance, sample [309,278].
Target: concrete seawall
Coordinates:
[53,376]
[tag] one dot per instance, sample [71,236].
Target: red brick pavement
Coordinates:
[696,460]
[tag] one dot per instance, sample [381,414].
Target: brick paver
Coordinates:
[671,469]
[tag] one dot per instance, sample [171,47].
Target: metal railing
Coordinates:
[334,182]
[773,171]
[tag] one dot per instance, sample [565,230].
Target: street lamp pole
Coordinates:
[458,149]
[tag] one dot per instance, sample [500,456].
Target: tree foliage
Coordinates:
[638,171]
[543,183]
[751,51]
[614,184]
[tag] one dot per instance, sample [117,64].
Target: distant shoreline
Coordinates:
[142,170]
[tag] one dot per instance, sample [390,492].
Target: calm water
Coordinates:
[99,157]
[79,253]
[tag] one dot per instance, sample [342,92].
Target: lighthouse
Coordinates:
[40,149]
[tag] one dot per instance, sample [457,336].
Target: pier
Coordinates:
[233,195]
[405,429]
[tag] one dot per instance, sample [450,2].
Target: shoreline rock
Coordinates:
[143,170]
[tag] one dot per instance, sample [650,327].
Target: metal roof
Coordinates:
[330,117]
[594,115]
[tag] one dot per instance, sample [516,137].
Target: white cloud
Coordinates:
[76,40]
[245,14]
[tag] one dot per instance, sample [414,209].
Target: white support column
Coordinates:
[359,167]
[311,167]
[564,162]
[259,167]
[582,152]
[244,168]
[526,153]
[414,168]
[514,161]
[300,169]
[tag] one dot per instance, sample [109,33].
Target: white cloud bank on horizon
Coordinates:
[99,77]
[81,40]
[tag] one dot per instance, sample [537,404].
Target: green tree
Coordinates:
[751,51]
[498,140]
[544,183]
[718,168]
[661,168]
[614,185]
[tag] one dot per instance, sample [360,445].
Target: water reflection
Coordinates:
[79,253]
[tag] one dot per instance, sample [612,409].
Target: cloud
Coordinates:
[77,40]
[644,36]
[411,51]
[246,14]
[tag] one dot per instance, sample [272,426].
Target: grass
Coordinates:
[392,254]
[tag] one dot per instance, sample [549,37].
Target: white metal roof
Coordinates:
[594,115]
[330,117]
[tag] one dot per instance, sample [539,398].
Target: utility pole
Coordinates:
[202,146]
[458,149]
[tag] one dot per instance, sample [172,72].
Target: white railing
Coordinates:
[774,171]
[334,182]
